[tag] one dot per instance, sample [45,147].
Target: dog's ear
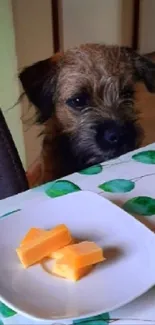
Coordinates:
[39,83]
[144,70]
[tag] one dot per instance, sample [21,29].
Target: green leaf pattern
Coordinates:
[117,186]
[102,319]
[9,213]
[61,187]
[93,170]
[145,157]
[6,311]
[142,205]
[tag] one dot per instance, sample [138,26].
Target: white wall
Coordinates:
[34,42]
[9,89]
[97,21]
[147,26]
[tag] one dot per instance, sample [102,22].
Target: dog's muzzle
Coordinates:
[112,135]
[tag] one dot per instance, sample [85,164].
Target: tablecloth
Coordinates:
[128,181]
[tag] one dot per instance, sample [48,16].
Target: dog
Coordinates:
[85,98]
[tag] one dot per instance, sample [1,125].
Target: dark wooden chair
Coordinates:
[12,175]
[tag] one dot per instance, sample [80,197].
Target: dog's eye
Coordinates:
[78,101]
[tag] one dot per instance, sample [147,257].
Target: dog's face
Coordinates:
[89,91]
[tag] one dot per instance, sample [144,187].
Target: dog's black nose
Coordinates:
[116,137]
[111,136]
[110,133]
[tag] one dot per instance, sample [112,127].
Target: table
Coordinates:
[129,181]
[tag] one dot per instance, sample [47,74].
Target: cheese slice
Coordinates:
[41,246]
[60,252]
[64,271]
[32,233]
[82,254]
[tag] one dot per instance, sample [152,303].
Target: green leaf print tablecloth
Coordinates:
[128,181]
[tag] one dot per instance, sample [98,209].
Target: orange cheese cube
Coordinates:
[32,233]
[41,246]
[64,271]
[83,254]
[60,252]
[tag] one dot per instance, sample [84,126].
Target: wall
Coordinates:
[147,26]
[108,21]
[9,90]
[34,42]
[127,22]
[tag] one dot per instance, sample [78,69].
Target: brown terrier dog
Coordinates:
[85,98]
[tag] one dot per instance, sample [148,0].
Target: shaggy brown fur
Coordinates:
[85,98]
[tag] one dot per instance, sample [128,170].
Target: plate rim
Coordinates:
[70,319]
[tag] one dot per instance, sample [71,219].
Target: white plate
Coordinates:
[128,272]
